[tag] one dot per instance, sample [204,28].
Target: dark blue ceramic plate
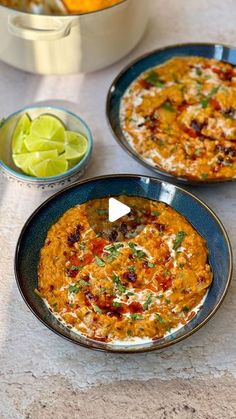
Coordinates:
[133,70]
[202,218]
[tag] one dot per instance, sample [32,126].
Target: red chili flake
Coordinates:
[71,273]
[98,245]
[144,84]
[160,227]
[75,237]
[191,132]
[201,279]
[215,104]
[51,287]
[135,307]
[130,276]
[164,282]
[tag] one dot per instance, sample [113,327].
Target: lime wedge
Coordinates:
[50,167]
[21,131]
[33,143]
[26,160]
[46,133]
[75,147]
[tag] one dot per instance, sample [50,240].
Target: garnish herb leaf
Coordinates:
[168,106]
[97,309]
[207,98]
[179,239]
[153,78]
[204,176]
[137,252]
[151,265]
[116,304]
[83,283]
[185,309]
[99,261]
[147,302]
[159,318]
[136,316]
[118,283]
[156,213]
[102,211]
[74,289]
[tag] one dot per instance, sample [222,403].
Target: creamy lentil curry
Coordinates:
[139,278]
[181,118]
[59,6]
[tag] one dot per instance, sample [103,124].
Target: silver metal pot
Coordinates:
[74,43]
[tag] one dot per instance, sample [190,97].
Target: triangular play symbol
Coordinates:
[117,210]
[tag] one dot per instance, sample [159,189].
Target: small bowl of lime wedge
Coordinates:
[44,147]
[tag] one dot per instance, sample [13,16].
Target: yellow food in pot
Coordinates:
[85,6]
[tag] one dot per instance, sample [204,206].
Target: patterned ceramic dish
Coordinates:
[131,73]
[196,212]
[13,173]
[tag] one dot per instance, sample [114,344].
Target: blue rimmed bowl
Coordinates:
[134,70]
[202,218]
[13,173]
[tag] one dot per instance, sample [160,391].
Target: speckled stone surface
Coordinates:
[43,376]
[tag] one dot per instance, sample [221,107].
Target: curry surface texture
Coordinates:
[60,7]
[181,118]
[140,278]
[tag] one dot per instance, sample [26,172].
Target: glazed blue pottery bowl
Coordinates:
[133,71]
[71,121]
[202,218]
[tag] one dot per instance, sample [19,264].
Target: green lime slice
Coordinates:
[50,167]
[26,160]
[42,144]
[46,133]
[21,131]
[75,147]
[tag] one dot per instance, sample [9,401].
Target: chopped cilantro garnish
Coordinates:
[207,98]
[74,289]
[137,252]
[102,212]
[131,268]
[129,333]
[130,294]
[153,78]
[55,307]
[118,283]
[185,309]
[179,239]
[83,283]
[159,318]
[204,176]
[82,246]
[151,265]
[136,316]
[75,268]
[113,251]
[168,106]
[148,302]
[156,213]
[116,304]
[99,261]
[97,309]
[198,71]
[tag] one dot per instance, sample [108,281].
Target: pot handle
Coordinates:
[49,29]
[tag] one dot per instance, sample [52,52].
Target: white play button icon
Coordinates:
[117,210]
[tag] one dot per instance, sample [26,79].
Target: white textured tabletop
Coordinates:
[44,376]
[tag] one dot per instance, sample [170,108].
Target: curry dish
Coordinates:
[59,6]
[181,117]
[138,278]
